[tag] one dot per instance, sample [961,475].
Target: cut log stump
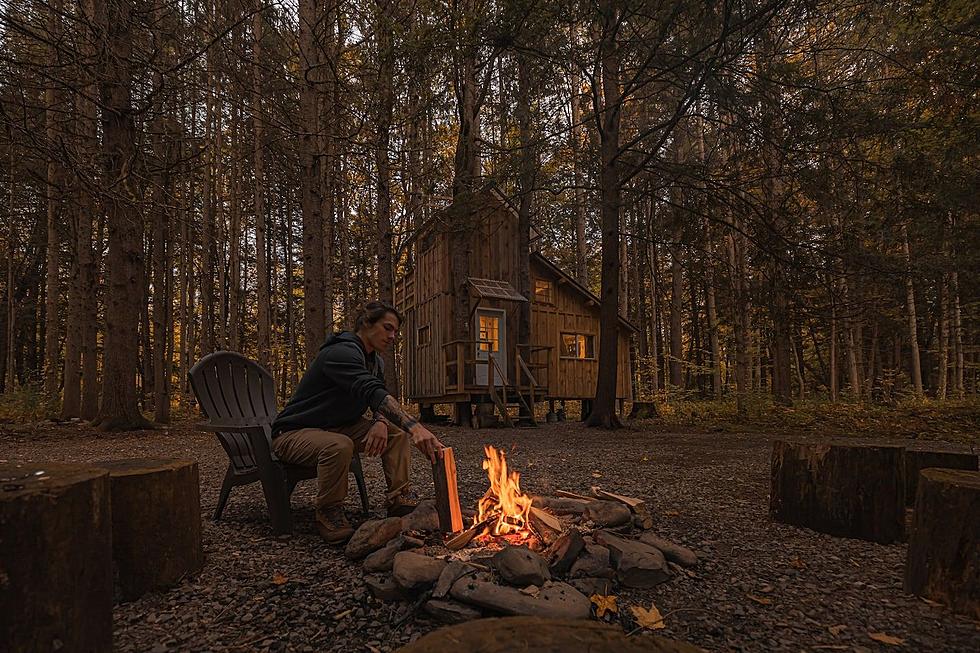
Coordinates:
[541,635]
[843,489]
[943,561]
[156,524]
[55,558]
[917,459]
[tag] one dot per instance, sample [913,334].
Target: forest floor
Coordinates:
[760,586]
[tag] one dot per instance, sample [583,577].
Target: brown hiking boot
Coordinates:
[402,505]
[333,526]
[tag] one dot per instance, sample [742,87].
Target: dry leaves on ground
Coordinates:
[651,618]
[603,604]
[887,639]
[761,600]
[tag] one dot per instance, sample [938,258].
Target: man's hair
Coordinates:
[374,311]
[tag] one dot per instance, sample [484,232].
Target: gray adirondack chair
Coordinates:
[238,397]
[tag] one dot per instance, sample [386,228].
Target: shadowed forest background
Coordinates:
[781,195]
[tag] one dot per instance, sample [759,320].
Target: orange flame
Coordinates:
[504,497]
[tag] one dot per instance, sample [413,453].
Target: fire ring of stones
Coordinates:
[541,556]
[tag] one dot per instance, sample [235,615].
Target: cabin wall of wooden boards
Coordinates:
[561,360]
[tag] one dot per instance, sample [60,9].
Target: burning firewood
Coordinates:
[463,538]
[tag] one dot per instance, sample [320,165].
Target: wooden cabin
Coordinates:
[489,368]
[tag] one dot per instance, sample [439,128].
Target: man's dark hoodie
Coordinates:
[337,387]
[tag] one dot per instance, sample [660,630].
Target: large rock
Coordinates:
[384,588]
[672,551]
[512,634]
[423,518]
[415,572]
[450,612]
[450,574]
[564,552]
[371,536]
[593,562]
[637,564]
[557,600]
[520,566]
[608,513]
[382,559]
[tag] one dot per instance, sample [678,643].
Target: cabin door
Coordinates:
[491,332]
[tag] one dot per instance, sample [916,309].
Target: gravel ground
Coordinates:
[760,586]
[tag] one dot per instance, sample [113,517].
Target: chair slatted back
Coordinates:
[231,388]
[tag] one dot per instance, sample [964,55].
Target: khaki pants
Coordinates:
[331,451]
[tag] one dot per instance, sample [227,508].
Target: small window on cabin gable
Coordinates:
[543,291]
[424,336]
[578,345]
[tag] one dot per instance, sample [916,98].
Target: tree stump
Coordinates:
[917,459]
[55,558]
[541,635]
[843,489]
[943,561]
[156,524]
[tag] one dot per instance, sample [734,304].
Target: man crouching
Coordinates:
[323,424]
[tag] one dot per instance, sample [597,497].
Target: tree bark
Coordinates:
[384,235]
[119,410]
[604,407]
[258,162]
[314,322]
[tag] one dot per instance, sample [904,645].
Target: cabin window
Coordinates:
[578,345]
[423,336]
[543,291]
[490,333]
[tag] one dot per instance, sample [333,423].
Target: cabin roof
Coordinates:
[579,288]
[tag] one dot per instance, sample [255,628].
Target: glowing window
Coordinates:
[489,333]
[543,291]
[578,345]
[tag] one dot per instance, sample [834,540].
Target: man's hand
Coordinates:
[426,442]
[376,439]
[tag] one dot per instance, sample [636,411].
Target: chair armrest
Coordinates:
[229,427]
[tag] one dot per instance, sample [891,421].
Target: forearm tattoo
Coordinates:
[394,413]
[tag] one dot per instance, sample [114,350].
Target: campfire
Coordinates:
[504,509]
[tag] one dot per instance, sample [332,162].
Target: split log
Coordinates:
[608,513]
[564,551]
[561,505]
[55,558]
[848,490]
[638,506]
[572,495]
[447,496]
[541,636]
[558,600]
[944,547]
[463,538]
[672,551]
[918,459]
[156,524]
[547,527]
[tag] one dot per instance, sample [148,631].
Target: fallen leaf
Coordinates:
[341,615]
[837,630]
[648,618]
[671,513]
[603,604]
[761,600]
[765,589]
[891,640]
[796,563]
[596,475]
[279,579]
[530,590]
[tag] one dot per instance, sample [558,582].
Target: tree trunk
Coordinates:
[258,196]
[676,307]
[528,173]
[712,314]
[604,407]
[119,410]
[235,236]
[910,315]
[313,310]
[832,355]
[385,238]
[54,104]
[942,384]
[10,379]
[576,137]
[654,319]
